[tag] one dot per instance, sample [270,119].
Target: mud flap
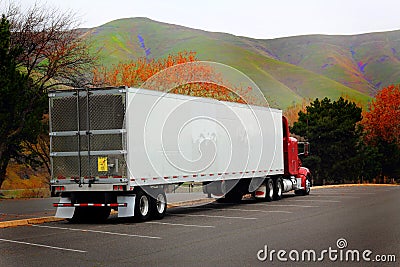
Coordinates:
[261,191]
[255,183]
[129,210]
[65,212]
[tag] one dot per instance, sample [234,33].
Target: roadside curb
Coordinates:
[190,202]
[351,185]
[40,220]
[24,222]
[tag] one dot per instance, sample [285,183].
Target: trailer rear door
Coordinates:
[87,134]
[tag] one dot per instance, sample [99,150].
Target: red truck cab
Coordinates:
[292,162]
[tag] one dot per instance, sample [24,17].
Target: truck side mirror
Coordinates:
[304,147]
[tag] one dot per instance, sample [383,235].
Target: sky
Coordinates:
[266,19]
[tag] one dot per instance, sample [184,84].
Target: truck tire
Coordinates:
[305,192]
[270,190]
[308,188]
[158,205]
[142,206]
[278,189]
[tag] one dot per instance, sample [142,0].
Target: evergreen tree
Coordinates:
[330,127]
[21,104]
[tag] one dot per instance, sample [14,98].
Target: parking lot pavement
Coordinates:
[219,234]
[17,209]
[21,209]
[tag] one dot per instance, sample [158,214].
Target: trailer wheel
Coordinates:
[270,190]
[278,188]
[159,205]
[142,206]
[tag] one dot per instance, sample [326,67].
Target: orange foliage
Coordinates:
[174,76]
[382,121]
[292,112]
[137,72]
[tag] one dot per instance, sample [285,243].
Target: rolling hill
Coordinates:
[286,69]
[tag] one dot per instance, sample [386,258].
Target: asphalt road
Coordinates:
[15,209]
[364,218]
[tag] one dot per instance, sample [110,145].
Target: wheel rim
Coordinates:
[144,205]
[271,190]
[160,203]
[279,188]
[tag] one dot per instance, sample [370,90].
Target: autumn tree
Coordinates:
[40,49]
[179,73]
[53,51]
[136,72]
[381,125]
[382,121]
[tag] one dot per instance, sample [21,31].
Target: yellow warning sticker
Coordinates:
[102,164]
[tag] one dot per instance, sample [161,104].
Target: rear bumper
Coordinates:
[104,185]
[125,205]
[85,187]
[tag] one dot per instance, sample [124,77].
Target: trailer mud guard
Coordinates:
[65,212]
[129,209]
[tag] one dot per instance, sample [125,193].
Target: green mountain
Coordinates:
[286,69]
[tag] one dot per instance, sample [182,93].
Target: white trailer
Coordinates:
[120,147]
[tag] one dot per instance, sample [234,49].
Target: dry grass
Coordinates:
[24,182]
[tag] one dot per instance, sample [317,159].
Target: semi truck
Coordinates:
[120,148]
